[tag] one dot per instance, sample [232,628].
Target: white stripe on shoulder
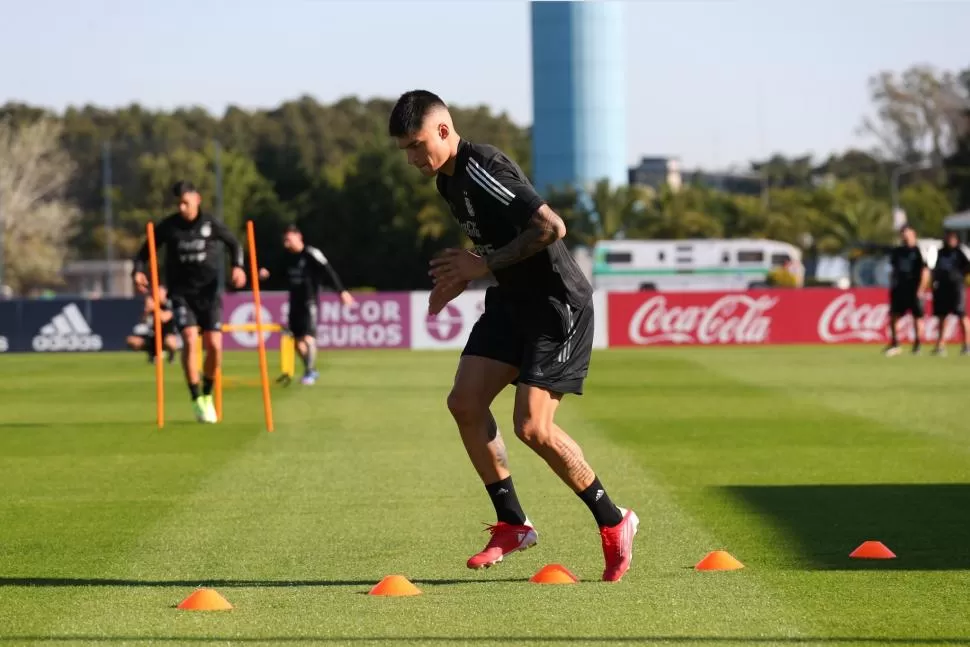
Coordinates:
[489,188]
[317,255]
[501,188]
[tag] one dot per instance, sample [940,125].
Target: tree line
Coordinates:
[332,170]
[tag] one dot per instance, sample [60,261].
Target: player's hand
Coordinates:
[442,294]
[454,265]
[141,282]
[346,298]
[263,274]
[238,277]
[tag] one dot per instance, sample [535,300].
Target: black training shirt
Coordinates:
[907,265]
[952,265]
[493,202]
[191,261]
[305,271]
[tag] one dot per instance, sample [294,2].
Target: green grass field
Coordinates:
[787,457]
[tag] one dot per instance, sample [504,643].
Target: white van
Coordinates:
[690,265]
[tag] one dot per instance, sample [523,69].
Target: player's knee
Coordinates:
[533,432]
[465,407]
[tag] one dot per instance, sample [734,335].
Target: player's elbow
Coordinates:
[559,229]
[552,223]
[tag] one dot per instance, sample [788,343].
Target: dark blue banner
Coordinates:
[67,325]
[10,337]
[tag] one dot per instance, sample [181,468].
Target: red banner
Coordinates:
[785,316]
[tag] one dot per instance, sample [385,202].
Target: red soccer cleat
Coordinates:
[618,546]
[506,538]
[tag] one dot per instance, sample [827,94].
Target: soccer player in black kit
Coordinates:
[536,331]
[305,269]
[950,289]
[142,337]
[189,238]
[910,276]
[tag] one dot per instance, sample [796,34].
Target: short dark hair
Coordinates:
[410,110]
[292,229]
[906,227]
[182,187]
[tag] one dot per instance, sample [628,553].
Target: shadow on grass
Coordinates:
[924,524]
[55,582]
[611,640]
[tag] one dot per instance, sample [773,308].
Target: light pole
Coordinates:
[109,252]
[894,184]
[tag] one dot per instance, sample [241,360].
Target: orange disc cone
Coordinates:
[718,560]
[872,550]
[205,600]
[394,585]
[554,574]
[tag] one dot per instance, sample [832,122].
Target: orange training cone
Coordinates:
[718,560]
[554,574]
[205,600]
[394,585]
[872,550]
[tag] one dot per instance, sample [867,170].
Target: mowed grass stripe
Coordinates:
[370,456]
[366,477]
[86,474]
[793,485]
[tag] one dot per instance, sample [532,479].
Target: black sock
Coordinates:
[194,391]
[207,383]
[598,502]
[506,504]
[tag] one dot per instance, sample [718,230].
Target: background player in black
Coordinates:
[142,337]
[910,276]
[950,289]
[191,264]
[306,270]
[536,330]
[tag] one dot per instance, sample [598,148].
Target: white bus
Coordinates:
[690,265]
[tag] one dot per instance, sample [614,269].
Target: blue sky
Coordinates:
[716,82]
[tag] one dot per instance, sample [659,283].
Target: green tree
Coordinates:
[926,206]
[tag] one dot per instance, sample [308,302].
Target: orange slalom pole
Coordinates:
[261,343]
[156,306]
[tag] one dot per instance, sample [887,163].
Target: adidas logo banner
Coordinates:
[67,331]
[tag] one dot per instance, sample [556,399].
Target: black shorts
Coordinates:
[204,311]
[903,301]
[548,341]
[303,320]
[947,301]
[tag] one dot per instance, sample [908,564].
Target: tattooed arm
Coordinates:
[543,229]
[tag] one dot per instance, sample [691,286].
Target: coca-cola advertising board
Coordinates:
[375,320]
[784,316]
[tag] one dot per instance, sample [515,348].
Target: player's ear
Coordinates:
[443,131]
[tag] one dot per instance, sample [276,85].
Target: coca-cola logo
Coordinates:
[732,319]
[846,320]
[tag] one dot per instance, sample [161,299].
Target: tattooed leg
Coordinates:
[477,383]
[534,412]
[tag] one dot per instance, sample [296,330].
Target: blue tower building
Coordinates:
[579,94]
